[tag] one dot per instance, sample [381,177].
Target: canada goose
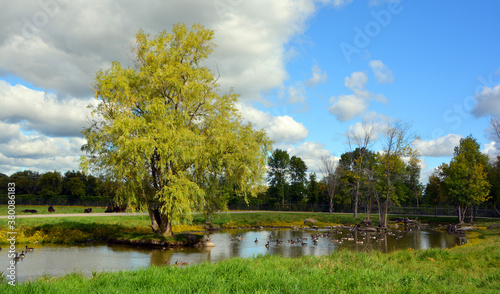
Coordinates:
[304,244]
[240,237]
[256,241]
[16,258]
[359,242]
[278,242]
[21,255]
[267,244]
[29,249]
[184,263]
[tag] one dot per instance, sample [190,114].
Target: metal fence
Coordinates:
[325,207]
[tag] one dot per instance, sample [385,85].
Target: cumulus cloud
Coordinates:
[347,107]
[58,46]
[38,111]
[77,38]
[442,146]
[382,73]
[487,102]
[310,153]
[281,129]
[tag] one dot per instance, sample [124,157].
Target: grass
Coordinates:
[43,209]
[472,268]
[465,269]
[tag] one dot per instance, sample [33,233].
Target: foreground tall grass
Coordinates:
[465,269]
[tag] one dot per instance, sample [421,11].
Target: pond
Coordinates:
[57,260]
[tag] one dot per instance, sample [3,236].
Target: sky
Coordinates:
[307,71]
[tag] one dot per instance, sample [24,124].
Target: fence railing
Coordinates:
[320,207]
[325,207]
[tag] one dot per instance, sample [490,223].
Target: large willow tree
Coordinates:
[164,133]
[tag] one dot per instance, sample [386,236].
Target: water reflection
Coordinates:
[59,260]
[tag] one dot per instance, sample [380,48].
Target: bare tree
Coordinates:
[495,129]
[362,142]
[331,173]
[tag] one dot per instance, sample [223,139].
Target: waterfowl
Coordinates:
[359,242]
[184,263]
[304,244]
[16,258]
[29,249]
[256,241]
[240,237]
[21,255]
[267,244]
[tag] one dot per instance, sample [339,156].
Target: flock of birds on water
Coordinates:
[335,236]
[21,256]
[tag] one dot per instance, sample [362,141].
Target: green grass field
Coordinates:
[472,268]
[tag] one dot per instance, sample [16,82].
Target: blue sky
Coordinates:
[307,71]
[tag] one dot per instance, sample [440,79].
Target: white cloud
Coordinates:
[318,77]
[83,36]
[340,3]
[492,150]
[281,129]
[382,73]
[442,146]
[39,111]
[310,153]
[347,107]
[487,102]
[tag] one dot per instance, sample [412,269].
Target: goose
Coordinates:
[16,258]
[29,249]
[184,263]
[267,244]
[256,241]
[240,237]
[304,244]
[359,242]
[21,255]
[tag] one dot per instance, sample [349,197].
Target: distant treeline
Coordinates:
[72,186]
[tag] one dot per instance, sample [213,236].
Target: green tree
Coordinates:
[50,184]
[73,185]
[397,144]
[277,175]
[297,171]
[494,180]
[465,179]
[413,178]
[356,166]
[164,133]
[434,190]
[26,182]
[4,181]
[313,190]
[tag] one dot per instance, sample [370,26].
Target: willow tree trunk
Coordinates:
[160,223]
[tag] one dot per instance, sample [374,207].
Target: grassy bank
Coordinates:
[474,268]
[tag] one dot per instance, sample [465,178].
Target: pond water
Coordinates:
[56,260]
